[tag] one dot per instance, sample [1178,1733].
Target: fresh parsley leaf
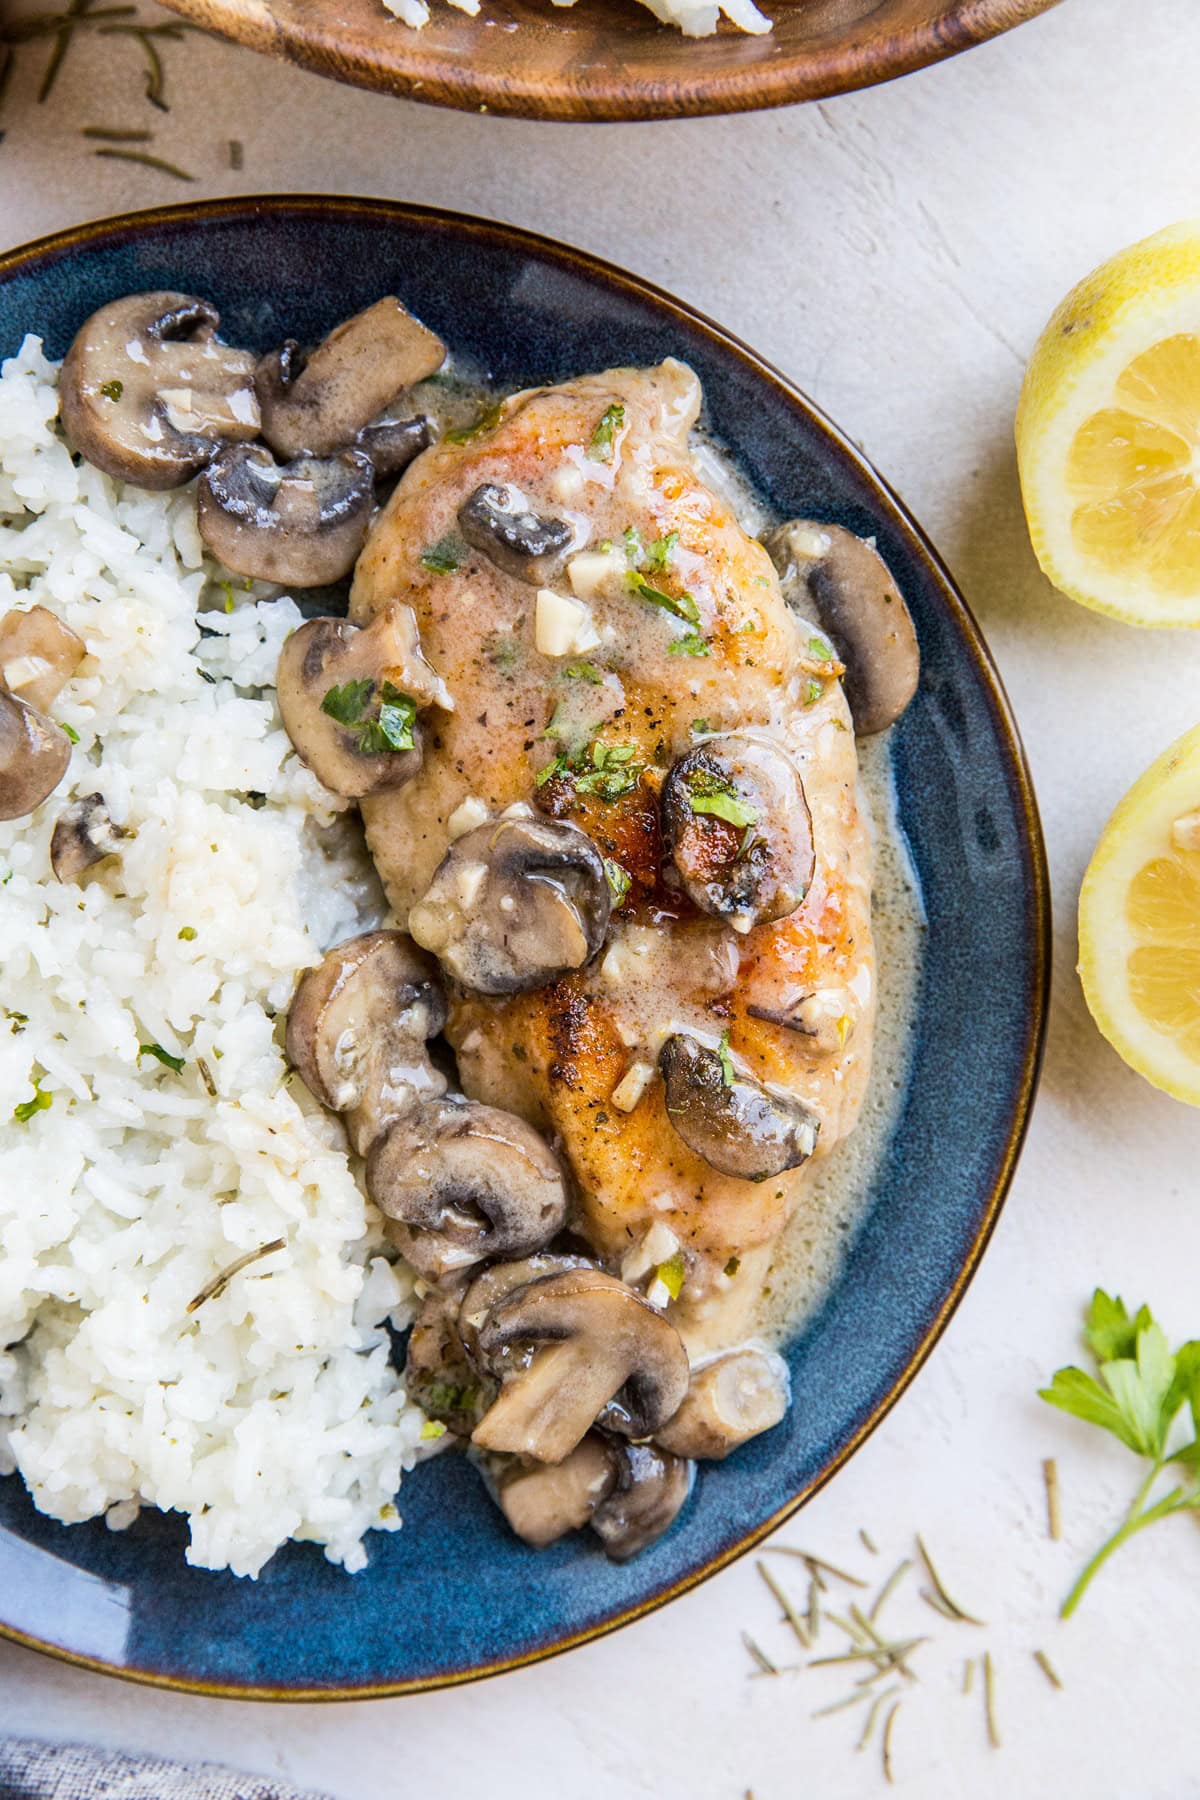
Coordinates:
[603,439]
[446,555]
[25,1109]
[728,1072]
[690,644]
[1108,1328]
[348,704]
[619,879]
[708,793]
[607,770]
[682,605]
[163,1056]
[112,390]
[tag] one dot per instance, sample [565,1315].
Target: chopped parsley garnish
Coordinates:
[608,770]
[813,692]
[186,933]
[700,727]
[556,726]
[635,550]
[655,556]
[670,1274]
[112,390]
[163,1056]
[600,448]
[819,650]
[583,671]
[433,1428]
[25,1109]
[658,555]
[682,605]
[446,555]
[728,1072]
[391,729]
[487,421]
[690,644]
[70,730]
[619,879]
[709,793]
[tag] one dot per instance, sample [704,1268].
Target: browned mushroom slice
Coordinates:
[460,1182]
[392,444]
[562,1348]
[825,570]
[650,1491]
[147,390]
[497,1281]
[83,836]
[731,1399]
[438,1375]
[34,753]
[544,1501]
[300,523]
[320,402]
[738,1126]
[357,1031]
[38,655]
[737,827]
[514,904]
[497,520]
[349,698]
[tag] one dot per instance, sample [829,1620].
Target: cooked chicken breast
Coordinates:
[607,618]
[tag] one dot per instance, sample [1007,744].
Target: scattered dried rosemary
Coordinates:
[214,1288]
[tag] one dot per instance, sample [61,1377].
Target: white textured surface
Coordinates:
[896,252]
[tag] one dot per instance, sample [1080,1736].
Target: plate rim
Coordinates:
[790,77]
[55,245]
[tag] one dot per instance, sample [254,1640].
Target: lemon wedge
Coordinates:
[1108,435]
[1139,924]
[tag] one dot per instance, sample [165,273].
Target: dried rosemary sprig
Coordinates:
[953,1609]
[816,1564]
[1047,1667]
[214,1288]
[789,1611]
[989,1700]
[887,1744]
[150,162]
[1053,1516]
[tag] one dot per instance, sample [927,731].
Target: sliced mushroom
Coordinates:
[496,1282]
[83,836]
[38,655]
[843,579]
[730,1400]
[544,1501]
[737,827]
[499,521]
[392,444]
[299,523]
[562,1348]
[34,753]
[437,1373]
[147,390]
[460,1182]
[334,680]
[651,1488]
[738,1126]
[357,1031]
[319,403]
[514,904]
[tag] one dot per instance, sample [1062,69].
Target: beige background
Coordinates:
[896,252]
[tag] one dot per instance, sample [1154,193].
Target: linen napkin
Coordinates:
[30,1770]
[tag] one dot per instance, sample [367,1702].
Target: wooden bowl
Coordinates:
[609,59]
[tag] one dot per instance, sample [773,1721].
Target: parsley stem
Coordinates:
[1135,1520]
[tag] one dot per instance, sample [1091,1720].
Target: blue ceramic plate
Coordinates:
[453,1595]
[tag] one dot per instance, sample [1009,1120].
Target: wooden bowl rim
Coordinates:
[435,78]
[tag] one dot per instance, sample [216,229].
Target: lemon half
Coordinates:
[1139,924]
[1108,435]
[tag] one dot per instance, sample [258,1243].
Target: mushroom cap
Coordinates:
[739,1127]
[737,827]
[320,402]
[460,1182]
[651,1488]
[499,521]
[732,1398]
[564,1346]
[147,391]
[514,904]
[843,579]
[34,753]
[358,1026]
[392,444]
[437,1373]
[499,1280]
[299,523]
[83,836]
[333,681]
[38,655]
[544,1501]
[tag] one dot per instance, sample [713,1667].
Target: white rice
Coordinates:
[695,18]
[271,1411]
